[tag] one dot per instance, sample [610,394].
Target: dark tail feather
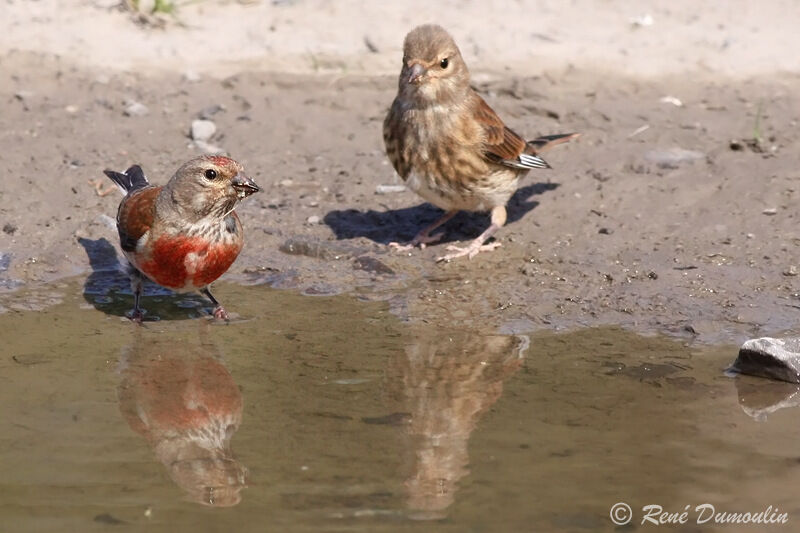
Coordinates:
[546,142]
[130,180]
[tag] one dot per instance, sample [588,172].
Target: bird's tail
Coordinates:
[130,180]
[540,144]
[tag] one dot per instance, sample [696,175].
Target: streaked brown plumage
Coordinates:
[448,145]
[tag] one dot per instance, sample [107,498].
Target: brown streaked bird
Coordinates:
[448,145]
[185,234]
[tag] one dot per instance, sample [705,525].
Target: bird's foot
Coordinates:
[135,315]
[220,313]
[421,240]
[470,251]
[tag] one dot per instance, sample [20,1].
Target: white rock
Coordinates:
[203,130]
[770,358]
[671,100]
[389,189]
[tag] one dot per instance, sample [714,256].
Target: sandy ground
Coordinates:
[654,219]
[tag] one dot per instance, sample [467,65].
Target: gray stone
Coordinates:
[770,358]
[209,111]
[135,109]
[203,130]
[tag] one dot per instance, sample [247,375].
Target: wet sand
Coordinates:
[619,233]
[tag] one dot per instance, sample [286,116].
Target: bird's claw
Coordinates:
[470,251]
[135,315]
[421,240]
[220,313]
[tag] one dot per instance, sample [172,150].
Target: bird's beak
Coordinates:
[416,73]
[244,185]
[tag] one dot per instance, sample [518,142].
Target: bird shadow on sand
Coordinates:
[108,288]
[401,225]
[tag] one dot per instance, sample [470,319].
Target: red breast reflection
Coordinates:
[449,382]
[176,392]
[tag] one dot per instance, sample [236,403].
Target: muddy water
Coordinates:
[328,414]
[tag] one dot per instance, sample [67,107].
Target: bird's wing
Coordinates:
[501,144]
[130,180]
[545,142]
[393,134]
[135,216]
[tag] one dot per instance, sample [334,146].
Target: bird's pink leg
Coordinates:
[219,311]
[477,246]
[424,237]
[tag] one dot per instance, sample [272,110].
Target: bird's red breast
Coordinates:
[188,262]
[185,258]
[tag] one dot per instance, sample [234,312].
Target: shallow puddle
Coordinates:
[328,414]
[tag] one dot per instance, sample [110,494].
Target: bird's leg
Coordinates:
[424,237]
[219,311]
[136,314]
[476,246]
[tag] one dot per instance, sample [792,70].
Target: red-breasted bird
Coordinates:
[185,234]
[448,145]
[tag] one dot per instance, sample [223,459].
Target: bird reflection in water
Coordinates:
[176,392]
[449,382]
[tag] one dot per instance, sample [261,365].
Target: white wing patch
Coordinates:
[526,161]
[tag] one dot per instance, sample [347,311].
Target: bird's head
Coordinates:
[433,69]
[210,186]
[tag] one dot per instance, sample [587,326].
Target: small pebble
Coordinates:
[207,112]
[770,211]
[313,219]
[203,130]
[135,109]
[389,189]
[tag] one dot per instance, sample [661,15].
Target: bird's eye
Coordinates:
[211,174]
[444,62]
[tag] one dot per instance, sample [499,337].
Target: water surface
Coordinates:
[328,414]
